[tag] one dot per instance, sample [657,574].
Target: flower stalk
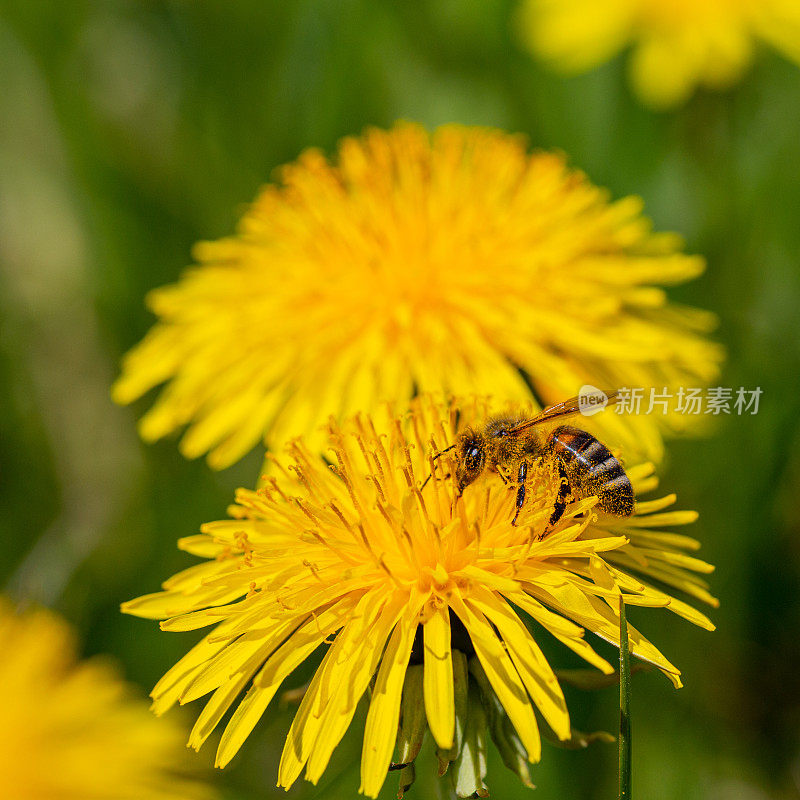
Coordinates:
[625,765]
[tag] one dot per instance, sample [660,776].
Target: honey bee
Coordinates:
[509,445]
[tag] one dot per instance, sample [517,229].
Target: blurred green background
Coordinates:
[129,130]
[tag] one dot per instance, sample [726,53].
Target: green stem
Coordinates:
[624,707]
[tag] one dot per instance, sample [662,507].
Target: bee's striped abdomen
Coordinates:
[593,470]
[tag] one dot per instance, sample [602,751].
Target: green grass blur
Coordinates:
[129,130]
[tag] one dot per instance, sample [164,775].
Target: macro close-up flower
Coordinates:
[430,600]
[454,261]
[677,46]
[74,730]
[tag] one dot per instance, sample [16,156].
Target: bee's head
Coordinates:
[470,457]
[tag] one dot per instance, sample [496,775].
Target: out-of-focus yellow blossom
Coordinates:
[455,261]
[436,598]
[678,45]
[73,730]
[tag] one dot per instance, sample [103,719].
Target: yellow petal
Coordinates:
[562,629]
[438,677]
[283,661]
[253,647]
[306,726]
[662,520]
[384,709]
[502,675]
[602,620]
[167,691]
[532,666]
[244,719]
[352,679]
[217,705]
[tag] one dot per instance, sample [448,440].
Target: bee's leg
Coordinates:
[564,491]
[435,457]
[521,477]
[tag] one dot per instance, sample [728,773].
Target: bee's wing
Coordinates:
[571,406]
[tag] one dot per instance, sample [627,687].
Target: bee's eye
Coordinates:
[473,459]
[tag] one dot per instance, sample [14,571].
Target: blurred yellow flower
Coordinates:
[678,45]
[453,262]
[75,731]
[357,557]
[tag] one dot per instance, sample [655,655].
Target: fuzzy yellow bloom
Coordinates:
[406,585]
[454,262]
[74,730]
[678,45]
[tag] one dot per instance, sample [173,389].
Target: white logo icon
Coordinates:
[591,400]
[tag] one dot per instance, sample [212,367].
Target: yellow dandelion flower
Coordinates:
[428,597]
[74,730]
[678,45]
[453,262]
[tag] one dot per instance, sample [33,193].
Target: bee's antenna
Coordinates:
[438,455]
